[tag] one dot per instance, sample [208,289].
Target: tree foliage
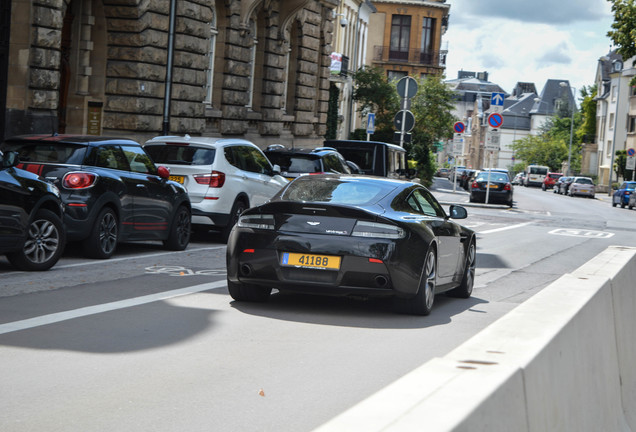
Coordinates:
[431,107]
[624,29]
[587,130]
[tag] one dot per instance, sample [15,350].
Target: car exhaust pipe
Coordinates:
[381,281]
[245,269]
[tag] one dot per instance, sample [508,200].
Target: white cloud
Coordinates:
[518,40]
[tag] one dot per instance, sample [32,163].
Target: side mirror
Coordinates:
[163,172]
[10,159]
[275,170]
[458,212]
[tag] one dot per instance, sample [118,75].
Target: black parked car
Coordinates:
[111,189]
[352,236]
[32,235]
[496,183]
[296,162]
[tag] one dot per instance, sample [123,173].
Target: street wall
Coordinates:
[561,361]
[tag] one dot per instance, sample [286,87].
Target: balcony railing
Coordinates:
[414,56]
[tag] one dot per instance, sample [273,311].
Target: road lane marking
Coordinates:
[106,307]
[504,228]
[573,232]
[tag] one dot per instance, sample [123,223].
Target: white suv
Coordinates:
[223,176]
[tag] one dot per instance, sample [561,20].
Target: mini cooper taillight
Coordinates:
[257,221]
[377,230]
[216,179]
[79,180]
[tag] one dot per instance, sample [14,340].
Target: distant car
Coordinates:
[623,193]
[375,157]
[550,180]
[495,184]
[518,179]
[356,236]
[582,186]
[562,184]
[32,234]
[223,176]
[111,189]
[296,162]
[442,172]
[466,177]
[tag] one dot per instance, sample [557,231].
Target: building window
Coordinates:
[611,121]
[631,124]
[400,37]
[613,93]
[427,52]
[609,148]
[395,75]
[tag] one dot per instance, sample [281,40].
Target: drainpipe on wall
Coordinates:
[355,69]
[168,90]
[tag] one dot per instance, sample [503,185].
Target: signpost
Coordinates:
[497,102]
[370,125]
[459,127]
[404,120]
[495,120]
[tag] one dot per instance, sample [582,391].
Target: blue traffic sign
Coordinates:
[497,99]
[631,152]
[459,127]
[370,123]
[495,120]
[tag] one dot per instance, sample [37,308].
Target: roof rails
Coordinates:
[317,149]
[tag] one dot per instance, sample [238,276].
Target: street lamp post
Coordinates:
[564,84]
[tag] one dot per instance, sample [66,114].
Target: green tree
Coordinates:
[542,149]
[376,94]
[624,29]
[586,132]
[432,107]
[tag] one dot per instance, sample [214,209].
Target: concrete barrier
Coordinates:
[562,361]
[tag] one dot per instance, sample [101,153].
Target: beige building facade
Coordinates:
[258,69]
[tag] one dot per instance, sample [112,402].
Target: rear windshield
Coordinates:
[63,153]
[180,155]
[555,176]
[336,191]
[494,177]
[361,157]
[295,163]
[584,181]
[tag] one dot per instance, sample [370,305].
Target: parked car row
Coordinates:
[575,186]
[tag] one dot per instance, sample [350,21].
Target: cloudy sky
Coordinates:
[528,40]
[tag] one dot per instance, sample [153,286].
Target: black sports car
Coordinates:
[111,189]
[31,231]
[352,235]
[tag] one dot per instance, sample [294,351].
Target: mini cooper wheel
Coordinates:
[179,231]
[102,240]
[44,243]
[246,292]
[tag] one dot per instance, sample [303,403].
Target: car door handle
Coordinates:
[141,186]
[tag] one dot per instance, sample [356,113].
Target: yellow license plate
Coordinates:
[493,186]
[178,179]
[322,262]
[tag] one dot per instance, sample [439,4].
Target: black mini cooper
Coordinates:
[111,189]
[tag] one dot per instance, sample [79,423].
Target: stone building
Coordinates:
[258,69]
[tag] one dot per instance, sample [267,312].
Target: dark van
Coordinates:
[374,157]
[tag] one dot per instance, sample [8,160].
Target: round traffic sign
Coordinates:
[495,120]
[407,87]
[459,127]
[631,152]
[404,120]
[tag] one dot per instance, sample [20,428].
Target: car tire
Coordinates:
[247,292]
[622,204]
[630,206]
[543,187]
[422,303]
[179,236]
[44,243]
[102,240]
[613,204]
[465,288]
[238,208]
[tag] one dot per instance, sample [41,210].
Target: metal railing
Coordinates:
[414,56]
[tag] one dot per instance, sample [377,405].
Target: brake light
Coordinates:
[474,185]
[79,180]
[375,261]
[257,221]
[216,179]
[507,186]
[377,230]
[314,173]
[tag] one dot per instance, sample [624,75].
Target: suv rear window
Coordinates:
[181,155]
[295,163]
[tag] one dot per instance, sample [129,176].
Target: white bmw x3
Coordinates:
[223,176]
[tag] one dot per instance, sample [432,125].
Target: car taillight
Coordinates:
[474,185]
[627,193]
[216,179]
[314,173]
[257,221]
[78,180]
[377,230]
[507,186]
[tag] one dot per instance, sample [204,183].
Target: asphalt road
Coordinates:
[151,340]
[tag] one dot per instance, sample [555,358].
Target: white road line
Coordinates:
[504,228]
[106,307]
